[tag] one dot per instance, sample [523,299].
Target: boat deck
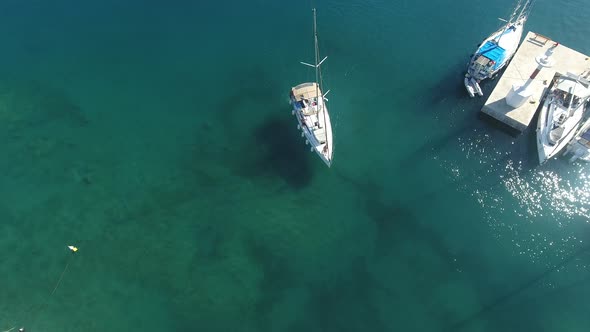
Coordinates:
[313,111]
[525,70]
[309,93]
[313,123]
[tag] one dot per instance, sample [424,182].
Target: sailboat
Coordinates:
[561,114]
[497,50]
[310,109]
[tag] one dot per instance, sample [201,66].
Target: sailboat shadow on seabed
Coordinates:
[281,154]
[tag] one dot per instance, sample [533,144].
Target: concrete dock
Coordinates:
[527,77]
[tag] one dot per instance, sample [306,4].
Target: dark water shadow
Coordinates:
[257,90]
[450,86]
[347,304]
[564,291]
[38,105]
[496,124]
[281,152]
[511,294]
[439,146]
[435,145]
[278,277]
[391,219]
[260,139]
[209,241]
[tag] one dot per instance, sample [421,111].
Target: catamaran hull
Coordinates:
[546,150]
[579,147]
[543,149]
[577,152]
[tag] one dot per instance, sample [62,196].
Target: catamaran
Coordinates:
[310,109]
[579,146]
[561,114]
[495,52]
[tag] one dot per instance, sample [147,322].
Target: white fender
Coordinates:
[477,87]
[468,86]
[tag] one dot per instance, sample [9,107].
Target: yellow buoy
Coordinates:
[72,248]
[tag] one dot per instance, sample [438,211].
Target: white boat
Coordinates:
[561,114]
[579,146]
[311,110]
[496,51]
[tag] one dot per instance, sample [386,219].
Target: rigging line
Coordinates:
[316,55]
[35,313]
[59,280]
[503,299]
[44,305]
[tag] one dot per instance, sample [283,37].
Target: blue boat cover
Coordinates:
[493,52]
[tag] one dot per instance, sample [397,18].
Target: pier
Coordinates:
[520,90]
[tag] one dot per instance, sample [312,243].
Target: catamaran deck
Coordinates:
[525,70]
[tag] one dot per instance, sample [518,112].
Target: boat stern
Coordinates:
[543,157]
[325,154]
[326,149]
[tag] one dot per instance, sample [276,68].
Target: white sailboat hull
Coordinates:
[492,55]
[311,111]
[313,119]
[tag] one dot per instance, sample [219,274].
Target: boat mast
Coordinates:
[317,56]
[515,13]
[318,74]
[521,10]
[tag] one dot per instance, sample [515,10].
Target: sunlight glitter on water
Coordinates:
[561,192]
[536,208]
[547,193]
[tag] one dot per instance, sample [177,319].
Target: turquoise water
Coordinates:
[158,139]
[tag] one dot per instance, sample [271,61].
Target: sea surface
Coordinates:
[157,137]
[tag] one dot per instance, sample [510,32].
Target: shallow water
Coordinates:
[158,139]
